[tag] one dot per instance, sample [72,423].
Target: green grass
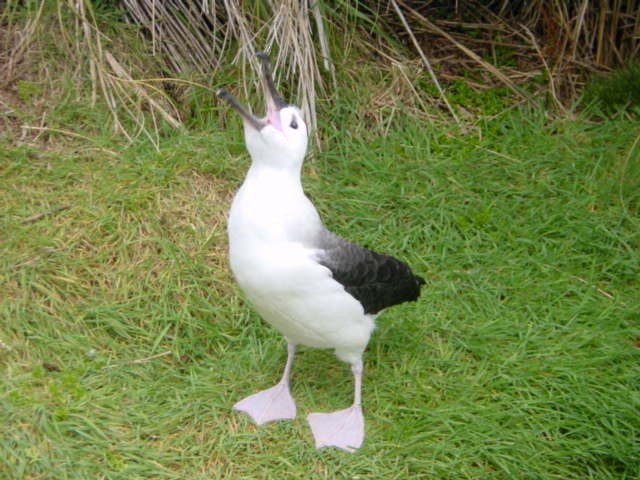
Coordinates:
[126,341]
[616,91]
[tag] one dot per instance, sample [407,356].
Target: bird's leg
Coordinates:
[345,428]
[275,403]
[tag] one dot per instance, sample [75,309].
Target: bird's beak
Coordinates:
[275,102]
[247,116]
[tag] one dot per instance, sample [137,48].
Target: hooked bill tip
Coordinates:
[266,66]
[276,101]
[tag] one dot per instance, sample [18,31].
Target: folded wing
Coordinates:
[377,281]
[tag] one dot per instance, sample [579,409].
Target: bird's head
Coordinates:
[281,137]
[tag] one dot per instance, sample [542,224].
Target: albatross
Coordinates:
[316,288]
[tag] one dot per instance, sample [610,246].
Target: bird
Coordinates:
[313,286]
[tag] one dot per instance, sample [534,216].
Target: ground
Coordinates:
[125,342]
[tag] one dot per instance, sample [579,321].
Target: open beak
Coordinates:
[251,119]
[275,102]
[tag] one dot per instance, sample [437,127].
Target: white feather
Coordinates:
[272,225]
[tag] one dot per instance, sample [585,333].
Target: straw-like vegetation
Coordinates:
[529,48]
[557,44]
[554,44]
[101,66]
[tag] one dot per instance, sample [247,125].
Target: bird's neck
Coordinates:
[275,177]
[272,207]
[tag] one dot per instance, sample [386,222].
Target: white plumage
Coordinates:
[271,228]
[315,288]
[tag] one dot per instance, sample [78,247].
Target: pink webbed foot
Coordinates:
[342,429]
[275,403]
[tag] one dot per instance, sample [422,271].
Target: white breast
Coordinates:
[272,256]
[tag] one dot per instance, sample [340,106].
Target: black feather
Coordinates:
[377,281]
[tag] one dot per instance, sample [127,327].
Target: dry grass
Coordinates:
[536,48]
[94,60]
[562,43]
[199,36]
[554,45]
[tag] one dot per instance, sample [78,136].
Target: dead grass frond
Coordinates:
[86,52]
[195,37]
[556,44]
[15,43]
[527,47]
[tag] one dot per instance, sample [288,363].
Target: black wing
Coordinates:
[377,281]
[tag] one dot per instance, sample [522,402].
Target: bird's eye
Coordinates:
[293,123]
